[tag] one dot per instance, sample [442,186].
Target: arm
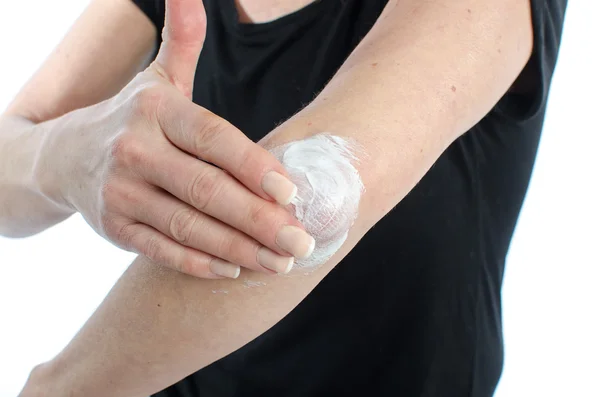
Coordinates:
[430,70]
[65,82]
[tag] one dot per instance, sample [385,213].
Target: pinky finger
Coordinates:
[163,251]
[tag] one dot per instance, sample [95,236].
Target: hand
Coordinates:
[158,175]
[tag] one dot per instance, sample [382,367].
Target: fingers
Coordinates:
[213,139]
[217,194]
[183,37]
[163,251]
[187,226]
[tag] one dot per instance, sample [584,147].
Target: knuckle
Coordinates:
[208,133]
[259,214]
[108,193]
[264,219]
[128,150]
[119,146]
[124,237]
[182,225]
[203,189]
[117,195]
[147,100]
[185,265]
[108,226]
[152,249]
[224,247]
[112,196]
[241,250]
[250,162]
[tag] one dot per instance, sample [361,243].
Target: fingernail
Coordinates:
[295,241]
[275,262]
[279,187]
[224,269]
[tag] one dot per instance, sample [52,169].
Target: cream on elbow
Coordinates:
[329,191]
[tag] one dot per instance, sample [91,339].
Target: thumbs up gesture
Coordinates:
[160,176]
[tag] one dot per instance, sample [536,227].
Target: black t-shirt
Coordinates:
[414,309]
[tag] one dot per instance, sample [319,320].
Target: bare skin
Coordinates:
[260,11]
[430,71]
[129,164]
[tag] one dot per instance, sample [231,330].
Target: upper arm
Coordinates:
[103,50]
[425,74]
[463,53]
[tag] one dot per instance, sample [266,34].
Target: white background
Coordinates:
[50,284]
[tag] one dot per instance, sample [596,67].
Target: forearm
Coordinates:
[157,326]
[27,205]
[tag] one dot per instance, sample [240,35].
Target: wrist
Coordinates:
[50,174]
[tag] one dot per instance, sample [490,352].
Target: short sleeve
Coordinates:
[547,17]
[155,11]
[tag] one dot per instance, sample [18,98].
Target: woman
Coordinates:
[430,125]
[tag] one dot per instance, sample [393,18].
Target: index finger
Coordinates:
[213,139]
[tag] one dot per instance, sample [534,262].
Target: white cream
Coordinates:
[253,284]
[329,191]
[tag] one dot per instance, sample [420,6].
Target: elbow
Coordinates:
[329,191]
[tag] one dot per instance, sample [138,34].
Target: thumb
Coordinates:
[183,38]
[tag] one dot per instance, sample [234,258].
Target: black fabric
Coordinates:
[414,309]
